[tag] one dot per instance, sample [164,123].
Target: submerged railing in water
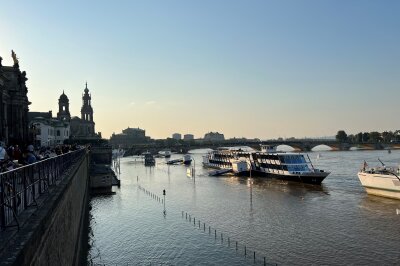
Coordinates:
[21,187]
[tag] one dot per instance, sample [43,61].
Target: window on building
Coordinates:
[58,132]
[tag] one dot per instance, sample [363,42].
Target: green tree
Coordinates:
[341,136]
[359,137]
[375,136]
[396,135]
[387,136]
[351,138]
[365,137]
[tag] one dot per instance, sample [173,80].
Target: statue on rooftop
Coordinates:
[15,58]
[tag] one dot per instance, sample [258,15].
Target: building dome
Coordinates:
[63,98]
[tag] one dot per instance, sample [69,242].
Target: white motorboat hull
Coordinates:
[384,185]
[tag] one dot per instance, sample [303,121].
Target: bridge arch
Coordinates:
[285,147]
[322,147]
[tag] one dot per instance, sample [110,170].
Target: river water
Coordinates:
[288,223]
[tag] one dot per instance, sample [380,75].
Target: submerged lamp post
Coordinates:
[194,169]
[251,188]
[164,202]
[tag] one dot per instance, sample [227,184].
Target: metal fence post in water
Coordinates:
[254,256]
[245,251]
[164,194]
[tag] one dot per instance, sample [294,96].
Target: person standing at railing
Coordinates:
[17,154]
[58,150]
[30,156]
[3,152]
[3,157]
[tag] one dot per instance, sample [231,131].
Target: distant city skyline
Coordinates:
[259,69]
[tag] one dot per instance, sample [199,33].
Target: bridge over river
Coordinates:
[303,145]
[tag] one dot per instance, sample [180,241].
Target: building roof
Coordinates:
[32,115]
[63,97]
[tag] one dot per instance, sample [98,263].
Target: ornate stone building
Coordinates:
[49,131]
[129,137]
[214,136]
[83,128]
[14,104]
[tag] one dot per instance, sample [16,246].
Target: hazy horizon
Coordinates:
[259,69]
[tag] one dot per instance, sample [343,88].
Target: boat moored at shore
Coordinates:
[149,159]
[268,162]
[165,153]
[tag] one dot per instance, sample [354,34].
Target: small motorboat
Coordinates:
[381,181]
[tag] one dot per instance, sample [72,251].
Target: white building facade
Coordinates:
[177,136]
[49,132]
[188,137]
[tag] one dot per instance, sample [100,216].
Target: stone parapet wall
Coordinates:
[101,155]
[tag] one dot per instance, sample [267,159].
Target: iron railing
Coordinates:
[21,187]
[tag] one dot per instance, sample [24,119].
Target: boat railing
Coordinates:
[382,170]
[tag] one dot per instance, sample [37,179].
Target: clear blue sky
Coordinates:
[244,68]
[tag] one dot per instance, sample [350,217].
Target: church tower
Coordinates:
[87,110]
[63,108]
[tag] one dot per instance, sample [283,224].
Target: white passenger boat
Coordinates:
[240,166]
[381,181]
[165,153]
[268,162]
